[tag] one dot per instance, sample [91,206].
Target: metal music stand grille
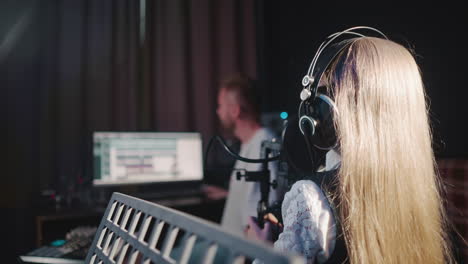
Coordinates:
[136,231]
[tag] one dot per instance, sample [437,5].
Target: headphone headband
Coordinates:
[314,74]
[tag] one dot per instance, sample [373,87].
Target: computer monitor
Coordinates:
[121,158]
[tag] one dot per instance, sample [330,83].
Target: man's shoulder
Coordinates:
[266,133]
[261,135]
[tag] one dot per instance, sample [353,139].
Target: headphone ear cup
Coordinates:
[307,125]
[323,112]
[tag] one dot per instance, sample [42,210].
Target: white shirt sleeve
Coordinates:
[309,225]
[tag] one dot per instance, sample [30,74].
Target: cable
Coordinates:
[232,153]
[309,149]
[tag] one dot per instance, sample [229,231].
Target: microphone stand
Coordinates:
[263,177]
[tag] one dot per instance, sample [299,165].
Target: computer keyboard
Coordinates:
[171,193]
[70,251]
[49,251]
[50,254]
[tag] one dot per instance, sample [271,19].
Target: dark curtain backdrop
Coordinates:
[109,65]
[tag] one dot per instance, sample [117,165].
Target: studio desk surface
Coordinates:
[53,224]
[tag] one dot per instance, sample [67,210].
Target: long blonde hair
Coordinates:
[391,209]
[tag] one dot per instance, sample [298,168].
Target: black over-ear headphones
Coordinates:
[316,110]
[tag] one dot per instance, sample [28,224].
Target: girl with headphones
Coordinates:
[383,203]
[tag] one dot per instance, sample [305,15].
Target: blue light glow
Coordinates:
[284,115]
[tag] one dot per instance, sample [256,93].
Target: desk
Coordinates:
[54,224]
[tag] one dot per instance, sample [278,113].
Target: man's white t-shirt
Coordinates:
[243,196]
